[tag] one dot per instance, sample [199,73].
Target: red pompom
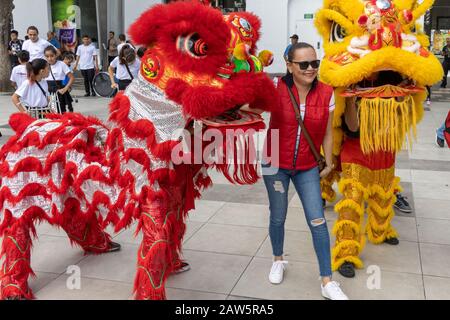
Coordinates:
[362,21]
[407,15]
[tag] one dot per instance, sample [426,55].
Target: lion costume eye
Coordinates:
[192,45]
[337,33]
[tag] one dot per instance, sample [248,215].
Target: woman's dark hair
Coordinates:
[141,52]
[24,56]
[122,37]
[34,67]
[297,46]
[14,32]
[33,28]
[85,36]
[127,55]
[50,48]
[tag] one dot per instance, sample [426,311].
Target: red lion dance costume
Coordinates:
[81,174]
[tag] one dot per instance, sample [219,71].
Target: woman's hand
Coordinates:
[63,90]
[114,85]
[326,171]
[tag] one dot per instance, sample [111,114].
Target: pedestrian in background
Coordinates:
[14,47]
[127,66]
[68,59]
[58,72]
[88,64]
[112,47]
[123,42]
[35,45]
[19,73]
[446,63]
[294,40]
[51,37]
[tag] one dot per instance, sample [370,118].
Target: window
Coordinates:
[226,6]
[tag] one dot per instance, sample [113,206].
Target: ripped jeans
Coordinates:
[307,184]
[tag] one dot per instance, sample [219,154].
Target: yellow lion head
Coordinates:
[375,52]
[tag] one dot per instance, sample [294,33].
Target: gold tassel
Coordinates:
[385,123]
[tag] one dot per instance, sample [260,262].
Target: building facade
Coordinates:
[280,19]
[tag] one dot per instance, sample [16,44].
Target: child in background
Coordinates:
[68,58]
[58,72]
[32,96]
[19,72]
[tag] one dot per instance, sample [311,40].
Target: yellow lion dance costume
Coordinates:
[375,56]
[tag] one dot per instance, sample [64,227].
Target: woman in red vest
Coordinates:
[296,160]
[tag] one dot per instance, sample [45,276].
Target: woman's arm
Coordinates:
[351,114]
[111,76]
[16,100]
[328,146]
[246,107]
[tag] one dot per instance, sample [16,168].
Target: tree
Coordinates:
[6,7]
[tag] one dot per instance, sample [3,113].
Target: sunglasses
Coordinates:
[305,64]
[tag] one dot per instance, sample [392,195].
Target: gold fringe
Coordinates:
[384,123]
[349,204]
[343,183]
[391,233]
[340,224]
[374,223]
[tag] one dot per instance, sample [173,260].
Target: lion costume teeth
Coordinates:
[374,54]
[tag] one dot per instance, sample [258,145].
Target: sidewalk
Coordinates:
[228,247]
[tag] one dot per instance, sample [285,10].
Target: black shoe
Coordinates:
[392,241]
[401,204]
[93,94]
[87,95]
[440,142]
[181,266]
[324,203]
[113,247]
[347,269]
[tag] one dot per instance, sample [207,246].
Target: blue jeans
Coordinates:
[440,132]
[307,184]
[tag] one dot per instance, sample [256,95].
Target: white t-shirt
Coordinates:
[122,72]
[87,54]
[19,74]
[60,70]
[31,95]
[120,46]
[36,49]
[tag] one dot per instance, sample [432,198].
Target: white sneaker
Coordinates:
[333,291]
[277,271]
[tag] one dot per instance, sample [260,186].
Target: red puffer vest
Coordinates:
[315,120]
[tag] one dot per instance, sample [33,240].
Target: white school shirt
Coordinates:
[31,95]
[36,49]
[122,72]
[120,46]
[60,70]
[19,74]
[86,54]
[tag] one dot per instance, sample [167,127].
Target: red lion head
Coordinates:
[202,60]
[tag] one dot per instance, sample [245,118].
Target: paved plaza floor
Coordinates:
[228,246]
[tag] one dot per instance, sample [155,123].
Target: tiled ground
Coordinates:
[229,249]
